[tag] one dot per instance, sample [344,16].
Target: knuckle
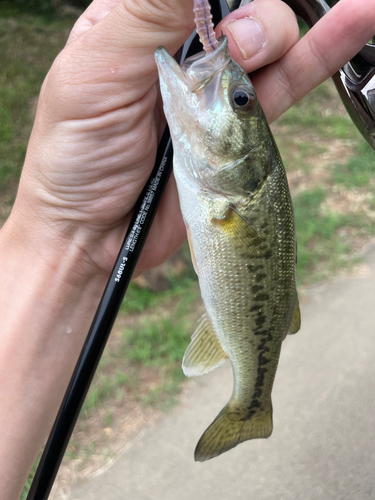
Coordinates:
[286,82]
[318,53]
[161,13]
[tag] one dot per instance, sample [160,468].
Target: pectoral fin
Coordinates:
[204,352]
[295,324]
[235,225]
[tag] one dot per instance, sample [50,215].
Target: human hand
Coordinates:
[99,117]
[98,123]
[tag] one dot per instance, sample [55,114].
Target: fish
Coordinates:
[239,217]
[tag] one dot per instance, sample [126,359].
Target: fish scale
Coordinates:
[236,205]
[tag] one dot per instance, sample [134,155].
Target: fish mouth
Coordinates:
[168,68]
[191,90]
[201,68]
[198,70]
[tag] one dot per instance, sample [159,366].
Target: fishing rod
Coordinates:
[356,85]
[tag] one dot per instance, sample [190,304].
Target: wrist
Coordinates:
[46,288]
[47,304]
[73,251]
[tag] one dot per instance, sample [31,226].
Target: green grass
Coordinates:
[163,341]
[164,394]
[159,342]
[23,67]
[316,114]
[46,9]
[17,8]
[139,299]
[105,387]
[359,170]
[317,236]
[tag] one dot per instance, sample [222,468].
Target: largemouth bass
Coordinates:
[239,217]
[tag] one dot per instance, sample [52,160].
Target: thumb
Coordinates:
[109,59]
[260,33]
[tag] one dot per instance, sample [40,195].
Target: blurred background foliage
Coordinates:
[46,7]
[51,6]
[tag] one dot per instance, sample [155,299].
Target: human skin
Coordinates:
[92,148]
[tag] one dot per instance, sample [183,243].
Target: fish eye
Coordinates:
[242,98]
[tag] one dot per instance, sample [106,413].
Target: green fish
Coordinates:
[239,217]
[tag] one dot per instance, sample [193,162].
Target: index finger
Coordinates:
[330,44]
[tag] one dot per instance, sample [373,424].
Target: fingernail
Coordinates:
[248,35]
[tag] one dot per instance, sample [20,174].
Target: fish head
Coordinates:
[213,113]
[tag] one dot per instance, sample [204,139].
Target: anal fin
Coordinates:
[204,352]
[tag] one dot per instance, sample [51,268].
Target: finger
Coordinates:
[331,43]
[260,32]
[94,13]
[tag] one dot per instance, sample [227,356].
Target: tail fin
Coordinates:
[229,429]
